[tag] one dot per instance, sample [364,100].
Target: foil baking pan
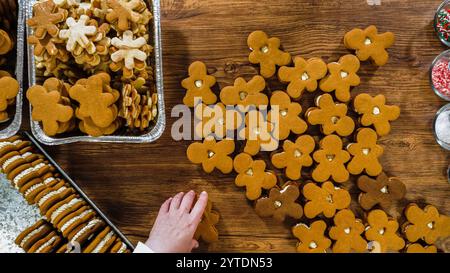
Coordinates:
[14,125]
[16,214]
[156,61]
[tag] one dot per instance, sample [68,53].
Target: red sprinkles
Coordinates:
[441,77]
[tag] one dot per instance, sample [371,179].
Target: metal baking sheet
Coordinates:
[16,214]
[14,126]
[160,125]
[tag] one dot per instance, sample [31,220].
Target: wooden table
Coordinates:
[129,182]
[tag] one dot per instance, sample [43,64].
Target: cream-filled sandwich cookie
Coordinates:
[32,188]
[35,169]
[14,143]
[86,231]
[31,235]
[48,244]
[62,209]
[52,195]
[119,247]
[102,242]
[13,159]
[73,220]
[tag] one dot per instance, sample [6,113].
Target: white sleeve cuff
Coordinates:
[142,248]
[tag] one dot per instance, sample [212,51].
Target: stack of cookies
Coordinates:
[9,87]
[317,153]
[75,42]
[68,222]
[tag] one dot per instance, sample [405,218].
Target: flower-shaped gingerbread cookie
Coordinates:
[326,199]
[94,103]
[331,116]
[267,53]
[331,159]
[382,191]
[198,85]
[365,153]
[369,44]
[312,239]
[245,93]
[9,87]
[288,115]
[216,119]
[48,108]
[342,76]
[212,154]
[295,156]
[206,229]
[259,133]
[280,203]
[252,174]
[383,230]
[304,75]
[347,232]
[77,34]
[374,111]
[427,224]
[45,17]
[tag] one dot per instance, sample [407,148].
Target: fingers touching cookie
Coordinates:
[206,229]
[267,53]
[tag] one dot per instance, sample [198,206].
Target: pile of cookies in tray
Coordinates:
[93,69]
[315,153]
[9,87]
[67,219]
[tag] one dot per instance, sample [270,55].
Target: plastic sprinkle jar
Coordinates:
[442,22]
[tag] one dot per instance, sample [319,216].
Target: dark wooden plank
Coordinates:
[129,182]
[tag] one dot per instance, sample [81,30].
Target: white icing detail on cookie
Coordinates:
[123,248]
[243,95]
[347,230]
[26,172]
[305,76]
[210,154]
[90,225]
[344,74]
[265,49]
[283,113]
[49,180]
[376,111]
[63,208]
[7,143]
[46,244]
[381,231]
[384,189]
[277,204]
[198,83]
[33,188]
[430,225]
[74,219]
[366,151]
[313,245]
[330,157]
[367,41]
[14,158]
[31,234]
[103,242]
[50,195]
[297,153]
[334,120]
[249,172]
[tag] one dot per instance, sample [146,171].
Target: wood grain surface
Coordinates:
[129,182]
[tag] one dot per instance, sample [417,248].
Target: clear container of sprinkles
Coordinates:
[442,22]
[441,126]
[440,75]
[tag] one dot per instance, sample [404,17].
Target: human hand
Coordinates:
[176,223]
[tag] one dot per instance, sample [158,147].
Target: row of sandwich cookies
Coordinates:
[69,215]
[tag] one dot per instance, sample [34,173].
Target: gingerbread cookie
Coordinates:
[267,53]
[46,16]
[6,43]
[198,85]
[295,156]
[374,111]
[63,208]
[52,195]
[102,242]
[347,232]
[418,248]
[13,159]
[47,244]
[312,239]
[259,133]
[288,115]
[369,44]
[31,235]
[14,143]
[303,76]
[342,76]
[325,200]
[331,159]
[425,224]
[252,174]
[24,173]
[280,203]
[206,229]
[216,120]
[212,154]
[122,13]
[380,191]
[48,108]
[35,186]
[332,117]
[384,231]
[9,88]
[244,93]
[365,153]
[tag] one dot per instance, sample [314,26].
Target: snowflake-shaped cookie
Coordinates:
[128,49]
[77,34]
